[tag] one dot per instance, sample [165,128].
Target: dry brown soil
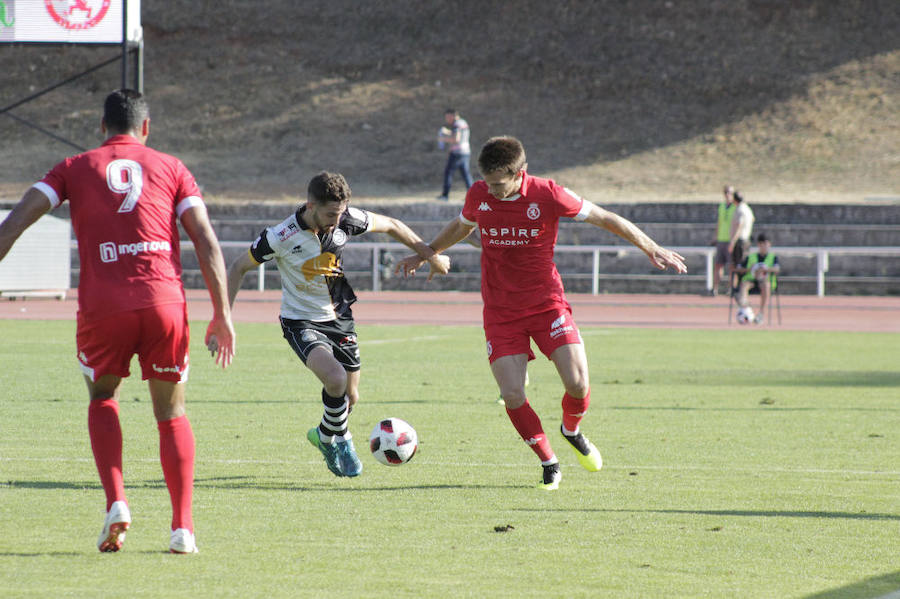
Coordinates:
[791,100]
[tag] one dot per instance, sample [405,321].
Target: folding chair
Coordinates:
[734,285]
[774,297]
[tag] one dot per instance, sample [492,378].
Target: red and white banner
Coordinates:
[69,21]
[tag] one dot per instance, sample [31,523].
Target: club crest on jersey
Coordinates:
[339,237]
[533,212]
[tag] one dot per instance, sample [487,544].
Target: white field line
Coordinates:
[499,465]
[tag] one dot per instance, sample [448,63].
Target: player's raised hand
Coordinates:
[662,258]
[220,341]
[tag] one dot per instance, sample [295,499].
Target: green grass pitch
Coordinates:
[740,463]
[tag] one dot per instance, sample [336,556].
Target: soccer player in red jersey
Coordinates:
[125,200]
[517,216]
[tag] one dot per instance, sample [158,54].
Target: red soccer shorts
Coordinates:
[158,335]
[550,330]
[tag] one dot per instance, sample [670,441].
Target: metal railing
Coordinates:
[821,254]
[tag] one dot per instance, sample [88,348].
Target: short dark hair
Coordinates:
[124,110]
[451,111]
[737,196]
[762,237]
[328,187]
[502,154]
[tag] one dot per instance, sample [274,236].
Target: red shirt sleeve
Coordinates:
[56,180]
[568,203]
[470,207]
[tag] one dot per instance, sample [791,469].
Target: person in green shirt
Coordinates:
[759,269]
[723,237]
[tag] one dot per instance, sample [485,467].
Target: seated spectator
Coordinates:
[758,271]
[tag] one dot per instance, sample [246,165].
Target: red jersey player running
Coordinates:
[518,216]
[125,199]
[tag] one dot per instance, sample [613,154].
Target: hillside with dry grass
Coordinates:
[655,100]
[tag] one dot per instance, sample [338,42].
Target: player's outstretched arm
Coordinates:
[220,332]
[401,232]
[660,257]
[236,271]
[454,232]
[33,205]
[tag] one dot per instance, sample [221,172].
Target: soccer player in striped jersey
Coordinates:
[316,316]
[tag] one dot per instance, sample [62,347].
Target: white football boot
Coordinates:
[182,541]
[117,521]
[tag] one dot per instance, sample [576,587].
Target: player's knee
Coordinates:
[578,387]
[335,385]
[514,399]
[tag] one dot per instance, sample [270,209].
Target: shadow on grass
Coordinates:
[39,554]
[879,586]
[774,378]
[760,408]
[739,513]
[245,483]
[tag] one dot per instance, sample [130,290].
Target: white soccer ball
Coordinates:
[393,442]
[745,315]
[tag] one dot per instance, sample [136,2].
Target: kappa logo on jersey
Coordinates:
[533,212]
[484,207]
[286,232]
[326,264]
[110,252]
[77,14]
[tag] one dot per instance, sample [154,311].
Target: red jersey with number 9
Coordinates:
[124,200]
[518,235]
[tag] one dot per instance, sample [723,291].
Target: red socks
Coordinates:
[176,453]
[106,443]
[529,426]
[574,409]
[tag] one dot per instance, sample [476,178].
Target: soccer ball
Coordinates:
[745,315]
[393,442]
